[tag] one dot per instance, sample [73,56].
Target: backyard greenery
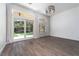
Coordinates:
[19,28]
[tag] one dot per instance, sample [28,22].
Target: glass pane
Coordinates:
[29,28]
[18,29]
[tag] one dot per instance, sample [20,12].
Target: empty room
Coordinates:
[39,29]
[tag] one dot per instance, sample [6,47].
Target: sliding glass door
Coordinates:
[29,28]
[18,29]
[23,29]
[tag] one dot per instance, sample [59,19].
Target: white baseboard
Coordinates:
[23,39]
[36,37]
[2,48]
[66,37]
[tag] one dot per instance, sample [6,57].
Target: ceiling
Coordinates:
[59,7]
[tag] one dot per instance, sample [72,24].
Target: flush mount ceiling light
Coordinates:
[50,10]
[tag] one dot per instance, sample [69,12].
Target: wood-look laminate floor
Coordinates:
[45,46]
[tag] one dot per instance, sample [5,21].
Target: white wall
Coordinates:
[66,24]
[2,26]
[36,21]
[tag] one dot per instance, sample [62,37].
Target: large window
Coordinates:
[23,24]
[42,25]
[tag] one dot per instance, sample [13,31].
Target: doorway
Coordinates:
[23,29]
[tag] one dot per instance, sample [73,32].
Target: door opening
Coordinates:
[23,29]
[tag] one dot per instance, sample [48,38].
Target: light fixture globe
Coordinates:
[50,10]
